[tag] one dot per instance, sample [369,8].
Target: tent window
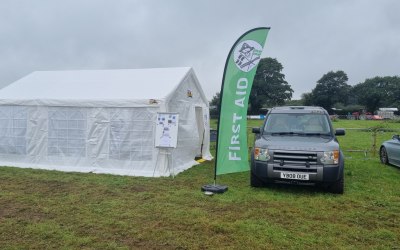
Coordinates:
[13,125]
[67,132]
[131,134]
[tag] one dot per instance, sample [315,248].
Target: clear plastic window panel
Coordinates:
[13,126]
[131,134]
[67,132]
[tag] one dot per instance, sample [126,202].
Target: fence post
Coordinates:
[374,134]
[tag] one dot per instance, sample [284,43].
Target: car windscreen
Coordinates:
[303,123]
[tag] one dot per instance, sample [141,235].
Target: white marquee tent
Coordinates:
[103,121]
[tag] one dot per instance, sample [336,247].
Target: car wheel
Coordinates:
[255,181]
[338,186]
[383,155]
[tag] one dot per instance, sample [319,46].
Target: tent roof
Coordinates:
[120,84]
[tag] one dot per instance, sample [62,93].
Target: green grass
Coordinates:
[55,210]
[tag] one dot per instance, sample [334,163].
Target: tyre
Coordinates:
[338,186]
[383,156]
[255,181]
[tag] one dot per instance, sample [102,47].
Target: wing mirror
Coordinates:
[340,131]
[256,130]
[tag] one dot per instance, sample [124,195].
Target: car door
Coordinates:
[393,151]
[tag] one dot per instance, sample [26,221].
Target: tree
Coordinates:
[307,99]
[378,92]
[330,89]
[269,86]
[294,103]
[214,104]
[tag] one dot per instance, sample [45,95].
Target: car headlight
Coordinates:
[330,157]
[261,154]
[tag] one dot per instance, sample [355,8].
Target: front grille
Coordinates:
[295,158]
[305,170]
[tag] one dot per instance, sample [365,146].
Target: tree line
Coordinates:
[332,91]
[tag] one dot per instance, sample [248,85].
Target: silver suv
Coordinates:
[297,145]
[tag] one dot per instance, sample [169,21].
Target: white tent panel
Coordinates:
[190,134]
[129,84]
[104,121]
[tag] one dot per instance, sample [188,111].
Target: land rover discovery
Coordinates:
[298,145]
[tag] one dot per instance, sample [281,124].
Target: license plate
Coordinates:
[295,176]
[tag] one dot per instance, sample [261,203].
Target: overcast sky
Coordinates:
[309,37]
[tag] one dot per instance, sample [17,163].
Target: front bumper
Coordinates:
[317,173]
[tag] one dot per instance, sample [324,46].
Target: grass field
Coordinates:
[55,210]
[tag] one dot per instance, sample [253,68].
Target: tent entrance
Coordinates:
[200,130]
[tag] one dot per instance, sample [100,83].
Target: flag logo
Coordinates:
[247,55]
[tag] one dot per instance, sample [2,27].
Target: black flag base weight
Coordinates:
[214,188]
